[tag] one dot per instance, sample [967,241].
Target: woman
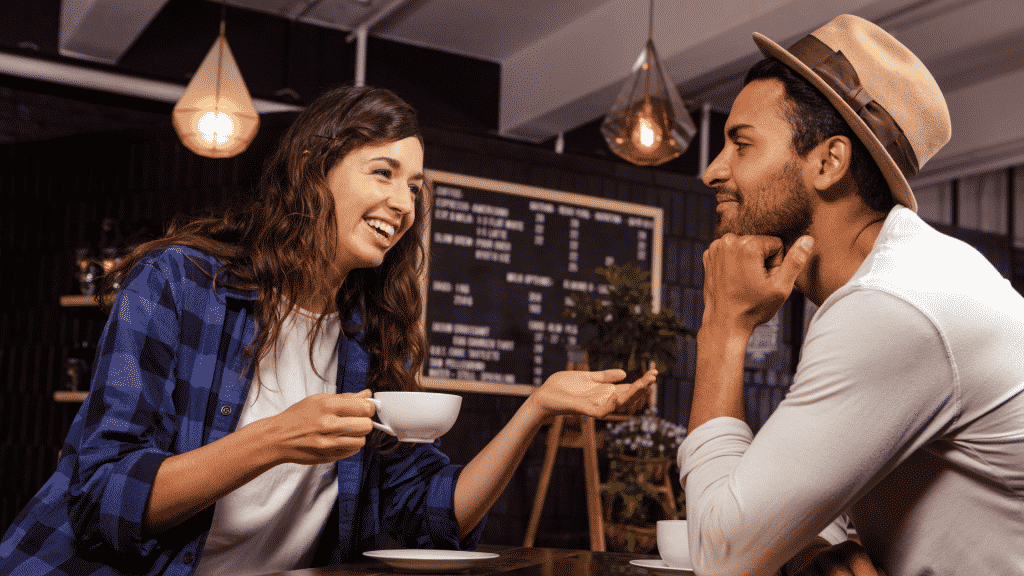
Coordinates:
[235,370]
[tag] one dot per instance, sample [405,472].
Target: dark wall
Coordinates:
[57,192]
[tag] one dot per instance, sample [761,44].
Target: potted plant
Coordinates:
[620,329]
[642,485]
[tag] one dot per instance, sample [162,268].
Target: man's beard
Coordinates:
[781,207]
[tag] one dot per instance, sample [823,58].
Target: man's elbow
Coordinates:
[725,553]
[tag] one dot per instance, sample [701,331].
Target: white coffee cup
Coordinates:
[416,416]
[674,543]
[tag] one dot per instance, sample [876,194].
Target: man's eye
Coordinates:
[414,189]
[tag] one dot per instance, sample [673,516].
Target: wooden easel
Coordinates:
[572,431]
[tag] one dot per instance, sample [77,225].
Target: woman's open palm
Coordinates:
[595,394]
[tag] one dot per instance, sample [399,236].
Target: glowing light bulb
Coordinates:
[216,128]
[646,133]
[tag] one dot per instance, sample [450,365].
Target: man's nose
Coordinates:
[717,173]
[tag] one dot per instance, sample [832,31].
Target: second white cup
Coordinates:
[674,543]
[416,416]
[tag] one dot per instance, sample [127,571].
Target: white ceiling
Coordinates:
[564,61]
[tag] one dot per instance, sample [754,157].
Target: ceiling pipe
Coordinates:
[101,80]
[373,18]
[705,139]
[362,33]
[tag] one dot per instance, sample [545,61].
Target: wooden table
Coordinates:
[512,562]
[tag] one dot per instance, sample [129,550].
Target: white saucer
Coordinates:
[430,560]
[659,567]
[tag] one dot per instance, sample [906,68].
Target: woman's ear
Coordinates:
[831,160]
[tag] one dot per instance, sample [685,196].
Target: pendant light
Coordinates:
[215,116]
[648,125]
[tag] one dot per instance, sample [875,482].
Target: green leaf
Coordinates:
[627,333]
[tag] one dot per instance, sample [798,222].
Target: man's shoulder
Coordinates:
[912,257]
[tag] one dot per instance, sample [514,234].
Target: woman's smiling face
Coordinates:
[375,189]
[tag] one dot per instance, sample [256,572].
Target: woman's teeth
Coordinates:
[383,228]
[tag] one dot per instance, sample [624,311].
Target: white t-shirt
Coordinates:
[906,412]
[272,523]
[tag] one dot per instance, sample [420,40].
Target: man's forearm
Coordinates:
[718,381]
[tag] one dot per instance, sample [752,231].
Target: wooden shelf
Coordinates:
[78,300]
[75,301]
[81,301]
[69,396]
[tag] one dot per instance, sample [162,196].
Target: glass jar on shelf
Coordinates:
[109,245]
[87,271]
[76,374]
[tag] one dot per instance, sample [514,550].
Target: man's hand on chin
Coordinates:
[741,290]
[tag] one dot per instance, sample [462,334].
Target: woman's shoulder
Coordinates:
[180,262]
[187,265]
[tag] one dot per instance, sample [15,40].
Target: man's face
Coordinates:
[758,177]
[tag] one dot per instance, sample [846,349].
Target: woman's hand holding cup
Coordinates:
[322,428]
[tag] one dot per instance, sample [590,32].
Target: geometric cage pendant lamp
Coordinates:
[648,125]
[215,116]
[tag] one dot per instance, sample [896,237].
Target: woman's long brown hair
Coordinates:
[285,242]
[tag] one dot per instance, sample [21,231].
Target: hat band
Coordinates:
[836,71]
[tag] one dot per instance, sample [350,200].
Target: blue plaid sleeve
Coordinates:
[168,345]
[403,498]
[418,500]
[128,423]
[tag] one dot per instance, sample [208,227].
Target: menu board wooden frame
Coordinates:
[437,177]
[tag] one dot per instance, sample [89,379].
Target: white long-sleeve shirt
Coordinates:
[906,412]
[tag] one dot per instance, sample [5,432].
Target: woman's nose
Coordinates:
[401,199]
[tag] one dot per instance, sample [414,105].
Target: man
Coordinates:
[906,412]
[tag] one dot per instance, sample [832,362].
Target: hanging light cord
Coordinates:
[220,57]
[650,26]
[650,55]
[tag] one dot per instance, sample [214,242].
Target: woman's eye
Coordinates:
[383,172]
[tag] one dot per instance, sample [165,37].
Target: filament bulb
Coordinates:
[216,127]
[646,132]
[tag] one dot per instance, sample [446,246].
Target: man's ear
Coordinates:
[831,162]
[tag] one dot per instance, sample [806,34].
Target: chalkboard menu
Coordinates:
[503,260]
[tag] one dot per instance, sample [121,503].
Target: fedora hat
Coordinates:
[882,90]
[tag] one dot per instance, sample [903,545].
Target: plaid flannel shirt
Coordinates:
[168,378]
